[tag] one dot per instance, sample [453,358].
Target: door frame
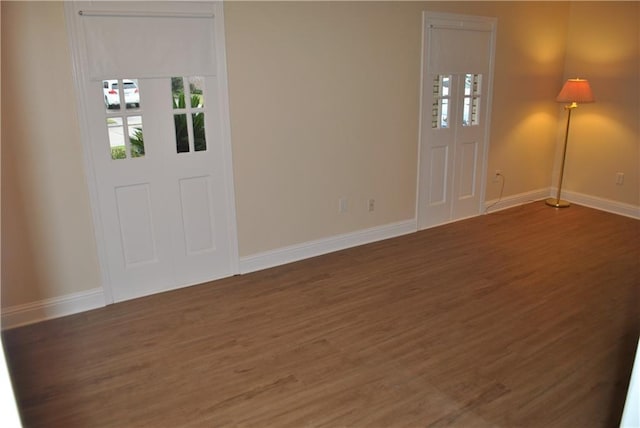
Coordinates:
[77,42]
[457,21]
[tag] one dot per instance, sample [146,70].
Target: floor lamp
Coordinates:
[573,92]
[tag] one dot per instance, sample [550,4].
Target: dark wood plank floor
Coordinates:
[525,317]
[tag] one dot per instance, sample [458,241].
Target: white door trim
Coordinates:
[76,40]
[77,51]
[469,22]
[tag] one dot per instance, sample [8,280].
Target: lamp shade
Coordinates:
[575,91]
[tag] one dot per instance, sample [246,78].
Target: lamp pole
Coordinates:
[557,202]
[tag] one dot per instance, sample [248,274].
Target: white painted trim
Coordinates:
[515,200]
[598,203]
[422,120]
[144,14]
[493,23]
[76,41]
[423,70]
[310,249]
[29,313]
[469,22]
[225,122]
[595,202]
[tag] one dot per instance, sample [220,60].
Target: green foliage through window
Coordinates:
[180,122]
[118,152]
[137,146]
[137,143]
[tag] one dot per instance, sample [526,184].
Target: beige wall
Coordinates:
[324,102]
[324,105]
[48,246]
[604,47]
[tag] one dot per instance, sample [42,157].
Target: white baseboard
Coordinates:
[309,249]
[601,204]
[515,200]
[29,313]
[595,202]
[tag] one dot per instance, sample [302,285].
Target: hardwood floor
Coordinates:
[525,317]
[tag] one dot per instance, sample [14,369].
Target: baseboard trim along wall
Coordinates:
[29,313]
[601,204]
[318,247]
[515,200]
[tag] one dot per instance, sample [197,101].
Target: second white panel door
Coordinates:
[457,76]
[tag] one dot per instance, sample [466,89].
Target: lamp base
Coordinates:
[557,203]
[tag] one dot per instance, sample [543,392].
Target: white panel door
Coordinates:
[456,88]
[158,149]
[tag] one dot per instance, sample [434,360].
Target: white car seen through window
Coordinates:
[112,94]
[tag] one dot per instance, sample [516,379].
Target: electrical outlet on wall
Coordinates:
[343,205]
[496,176]
[620,178]
[371,205]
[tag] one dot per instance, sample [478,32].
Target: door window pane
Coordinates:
[131,93]
[200,142]
[182,133]
[196,89]
[471,105]
[136,139]
[177,91]
[440,107]
[116,138]
[187,95]
[113,97]
[111,94]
